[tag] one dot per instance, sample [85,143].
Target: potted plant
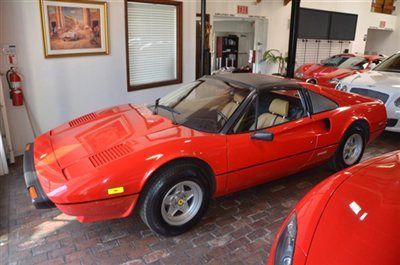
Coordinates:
[275,56]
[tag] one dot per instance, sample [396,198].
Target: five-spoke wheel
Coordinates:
[176,198]
[350,149]
[181,203]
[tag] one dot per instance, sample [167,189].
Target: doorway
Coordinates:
[378,42]
[238,43]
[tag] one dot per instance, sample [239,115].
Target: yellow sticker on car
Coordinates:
[115,190]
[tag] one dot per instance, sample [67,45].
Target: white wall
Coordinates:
[379,42]
[59,89]
[385,42]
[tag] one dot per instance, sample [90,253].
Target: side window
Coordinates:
[246,121]
[321,103]
[275,107]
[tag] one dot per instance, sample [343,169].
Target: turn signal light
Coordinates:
[115,190]
[32,192]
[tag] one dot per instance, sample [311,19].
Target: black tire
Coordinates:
[160,184]
[337,162]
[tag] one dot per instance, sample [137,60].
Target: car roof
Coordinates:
[254,81]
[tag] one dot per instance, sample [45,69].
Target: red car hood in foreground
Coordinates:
[360,224]
[351,217]
[101,130]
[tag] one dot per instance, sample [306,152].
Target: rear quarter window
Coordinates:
[321,103]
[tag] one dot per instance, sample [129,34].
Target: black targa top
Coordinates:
[255,81]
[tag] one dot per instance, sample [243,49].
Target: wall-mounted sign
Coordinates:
[10,50]
[244,10]
[382,24]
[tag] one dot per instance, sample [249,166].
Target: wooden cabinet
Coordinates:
[227,51]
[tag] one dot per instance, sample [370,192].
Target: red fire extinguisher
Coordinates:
[15,84]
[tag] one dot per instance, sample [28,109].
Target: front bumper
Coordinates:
[393,114]
[38,196]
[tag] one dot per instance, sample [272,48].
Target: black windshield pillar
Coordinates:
[203,38]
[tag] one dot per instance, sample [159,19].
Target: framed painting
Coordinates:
[73,28]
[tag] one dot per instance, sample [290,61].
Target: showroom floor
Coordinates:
[238,229]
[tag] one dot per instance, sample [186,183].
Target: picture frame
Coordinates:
[74,28]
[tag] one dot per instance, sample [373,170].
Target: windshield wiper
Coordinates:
[173,112]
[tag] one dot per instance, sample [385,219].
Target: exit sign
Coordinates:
[242,10]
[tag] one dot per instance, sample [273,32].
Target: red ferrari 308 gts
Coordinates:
[330,71]
[350,218]
[217,135]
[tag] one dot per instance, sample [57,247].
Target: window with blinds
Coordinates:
[154,48]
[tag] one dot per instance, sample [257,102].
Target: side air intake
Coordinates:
[110,154]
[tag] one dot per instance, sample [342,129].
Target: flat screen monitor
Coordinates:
[343,26]
[313,24]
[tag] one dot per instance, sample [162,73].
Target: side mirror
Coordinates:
[263,136]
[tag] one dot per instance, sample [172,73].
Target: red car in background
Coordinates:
[350,218]
[330,71]
[215,136]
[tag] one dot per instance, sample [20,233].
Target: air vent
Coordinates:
[109,155]
[83,119]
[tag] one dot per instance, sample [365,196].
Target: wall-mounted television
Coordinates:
[343,26]
[314,24]
[327,25]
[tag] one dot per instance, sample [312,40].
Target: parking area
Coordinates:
[238,229]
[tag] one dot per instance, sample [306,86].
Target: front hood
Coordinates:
[386,82]
[98,131]
[360,222]
[317,70]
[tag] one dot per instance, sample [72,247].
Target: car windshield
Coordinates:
[204,105]
[335,60]
[356,63]
[392,64]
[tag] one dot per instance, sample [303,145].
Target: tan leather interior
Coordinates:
[232,106]
[278,112]
[279,107]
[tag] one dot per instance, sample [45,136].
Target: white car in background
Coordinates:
[383,82]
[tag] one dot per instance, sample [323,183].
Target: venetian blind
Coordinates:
[152,43]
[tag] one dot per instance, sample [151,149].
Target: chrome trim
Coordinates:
[309,80]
